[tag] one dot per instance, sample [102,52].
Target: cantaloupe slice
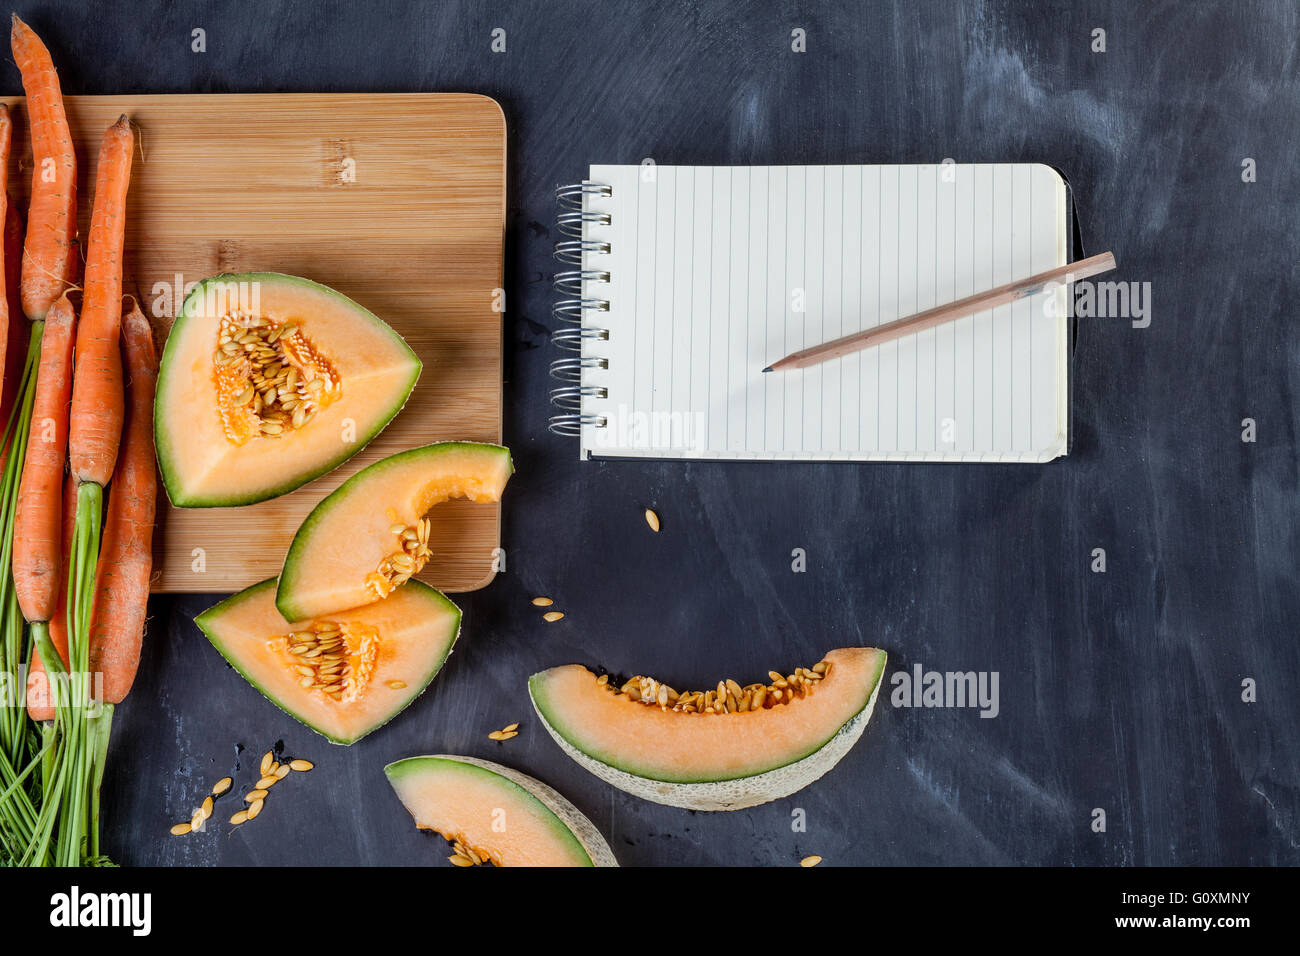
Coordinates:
[268,381]
[370,535]
[727,748]
[492,814]
[343,676]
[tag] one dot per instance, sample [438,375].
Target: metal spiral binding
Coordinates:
[574,305]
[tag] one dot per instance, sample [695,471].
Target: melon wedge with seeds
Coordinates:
[390,651]
[505,817]
[340,549]
[710,761]
[268,381]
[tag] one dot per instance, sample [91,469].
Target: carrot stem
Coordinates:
[74,712]
[12,723]
[102,731]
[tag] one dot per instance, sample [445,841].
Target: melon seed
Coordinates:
[266,783]
[397,684]
[302,766]
[281,772]
[207,807]
[221,786]
[255,808]
[458,860]
[181,829]
[542,601]
[268,758]
[810,861]
[552,616]
[652,520]
[196,821]
[239,817]
[254,795]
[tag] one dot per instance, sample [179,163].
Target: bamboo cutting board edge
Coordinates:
[428,205]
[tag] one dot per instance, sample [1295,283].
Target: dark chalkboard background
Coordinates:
[1120,690]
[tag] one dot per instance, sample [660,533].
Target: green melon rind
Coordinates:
[735,793]
[569,823]
[301,544]
[166,454]
[209,620]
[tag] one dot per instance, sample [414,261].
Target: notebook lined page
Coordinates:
[716,272]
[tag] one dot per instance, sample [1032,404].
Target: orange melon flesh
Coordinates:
[204,466]
[485,811]
[662,745]
[349,533]
[395,646]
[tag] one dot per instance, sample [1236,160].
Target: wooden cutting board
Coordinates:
[396,200]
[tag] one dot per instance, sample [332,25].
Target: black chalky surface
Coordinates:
[1121,691]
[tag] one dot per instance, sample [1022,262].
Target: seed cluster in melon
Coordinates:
[270,378]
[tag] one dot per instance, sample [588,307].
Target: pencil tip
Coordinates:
[768,369]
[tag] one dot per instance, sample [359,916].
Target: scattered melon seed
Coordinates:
[552,616]
[302,766]
[397,684]
[239,817]
[266,783]
[810,861]
[652,520]
[267,759]
[207,807]
[196,821]
[282,772]
[507,735]
[181,829]
[458,860]
[254,809]
[509,727]
[542,602]
[254,795]
[495,735]
[221,786]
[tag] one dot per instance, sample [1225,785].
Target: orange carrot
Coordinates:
[37,548]
[19,332]
[50,256]
[40,705]
[6,140]
[126,556]
[97,399]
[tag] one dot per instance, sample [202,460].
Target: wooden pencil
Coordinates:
[981,301]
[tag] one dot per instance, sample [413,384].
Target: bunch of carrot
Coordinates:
[83,598]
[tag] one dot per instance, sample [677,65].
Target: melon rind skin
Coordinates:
[167,468]
[573,819]
[205,624]
[738,793]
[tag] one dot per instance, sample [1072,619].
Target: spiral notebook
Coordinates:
[683,283]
